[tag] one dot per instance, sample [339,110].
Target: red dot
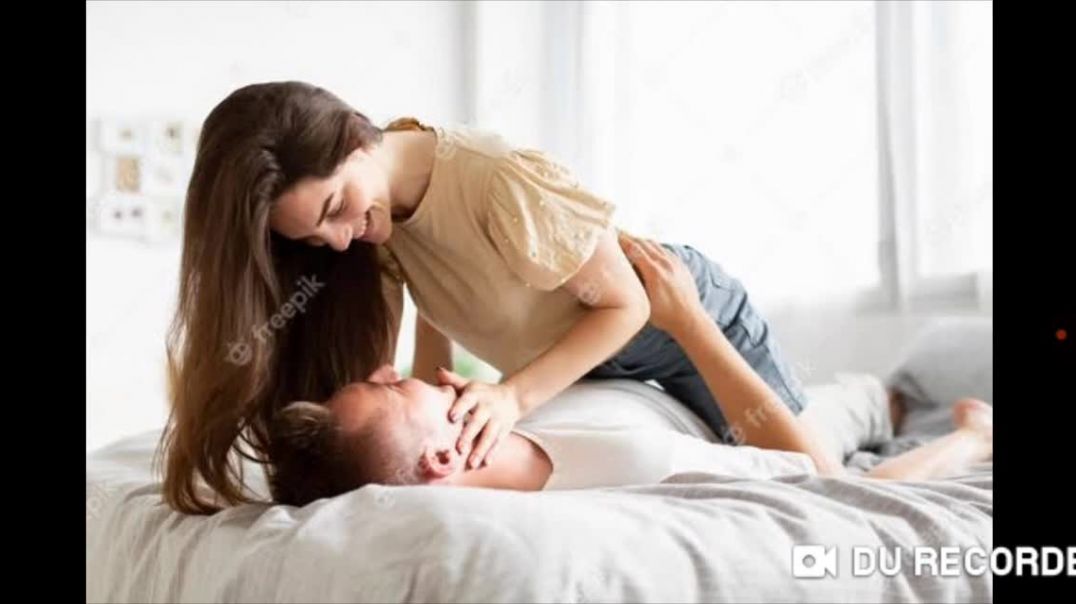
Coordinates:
[1062,334]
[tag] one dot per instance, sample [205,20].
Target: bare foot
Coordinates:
[976,416]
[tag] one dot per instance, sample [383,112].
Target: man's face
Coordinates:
[409,414]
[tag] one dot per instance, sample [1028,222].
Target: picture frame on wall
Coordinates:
[145,166]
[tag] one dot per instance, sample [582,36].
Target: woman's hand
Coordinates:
[491,410]
[674,297]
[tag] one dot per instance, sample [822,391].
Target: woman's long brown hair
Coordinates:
[261,320]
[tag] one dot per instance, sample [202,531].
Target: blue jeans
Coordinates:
[653,355]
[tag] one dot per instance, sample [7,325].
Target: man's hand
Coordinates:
[674,297]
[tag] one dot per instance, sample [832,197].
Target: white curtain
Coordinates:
[936,83]
[744,129]
[824,152]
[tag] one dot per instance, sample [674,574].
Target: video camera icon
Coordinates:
[814,561]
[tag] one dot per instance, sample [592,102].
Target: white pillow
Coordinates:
[949,360]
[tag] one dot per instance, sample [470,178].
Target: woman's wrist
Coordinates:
[520,395]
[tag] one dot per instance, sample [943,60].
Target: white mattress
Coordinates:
[694,538]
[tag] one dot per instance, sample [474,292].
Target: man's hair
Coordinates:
[311,456]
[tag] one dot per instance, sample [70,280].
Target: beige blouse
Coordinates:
[497,233]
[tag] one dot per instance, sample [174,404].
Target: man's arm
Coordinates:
[752,408]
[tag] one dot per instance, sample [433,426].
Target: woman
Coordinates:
[500,248]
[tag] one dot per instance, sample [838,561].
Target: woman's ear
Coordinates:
[438,463]
[385,374]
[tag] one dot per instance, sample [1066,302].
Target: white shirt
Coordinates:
[619,433]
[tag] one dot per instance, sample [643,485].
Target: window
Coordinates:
[747,130]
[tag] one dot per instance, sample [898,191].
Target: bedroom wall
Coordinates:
[176,60]
[821,343]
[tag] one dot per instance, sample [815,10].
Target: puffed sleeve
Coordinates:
[544,224]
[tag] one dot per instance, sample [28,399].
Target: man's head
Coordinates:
[384,430]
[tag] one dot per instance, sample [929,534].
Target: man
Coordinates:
[391,431]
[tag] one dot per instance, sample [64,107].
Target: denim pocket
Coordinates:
[720,278]
[753,324]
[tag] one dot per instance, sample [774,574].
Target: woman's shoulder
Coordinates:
[476,140]
[457,137]
[406,122]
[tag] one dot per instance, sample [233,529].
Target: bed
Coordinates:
[695,537]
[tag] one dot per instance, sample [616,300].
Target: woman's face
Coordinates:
[353,203]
